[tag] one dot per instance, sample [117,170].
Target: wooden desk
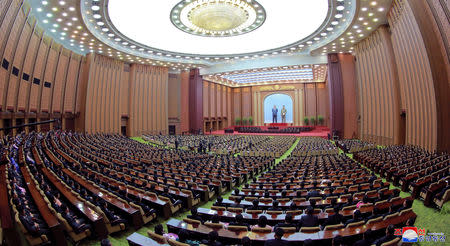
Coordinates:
[160,205]
[154,202]
[131,212]
[50,219]
[137,239]
[201,231]
[97,221]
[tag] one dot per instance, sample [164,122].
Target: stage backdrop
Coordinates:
[278,100]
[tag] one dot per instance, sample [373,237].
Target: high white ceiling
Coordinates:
[147,22]
[87,26]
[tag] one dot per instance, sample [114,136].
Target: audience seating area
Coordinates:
[273,129]
[354,145]
[426,175]
[63,186]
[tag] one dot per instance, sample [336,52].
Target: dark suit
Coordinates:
[313,193]
[308,221]
[353,221]
[276,242]
[384,239]
[334,219]
[284,224]
[29,225]
[196,217]
[362,242]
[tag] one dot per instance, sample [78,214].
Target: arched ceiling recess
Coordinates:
[93,26]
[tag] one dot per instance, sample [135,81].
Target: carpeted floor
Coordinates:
[430,219]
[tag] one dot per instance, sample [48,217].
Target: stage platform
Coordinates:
[318,131]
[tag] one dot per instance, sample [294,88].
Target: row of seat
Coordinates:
[416,170]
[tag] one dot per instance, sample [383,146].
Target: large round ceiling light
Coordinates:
[149,24]
[217,18]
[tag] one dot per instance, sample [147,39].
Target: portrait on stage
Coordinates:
[278,108]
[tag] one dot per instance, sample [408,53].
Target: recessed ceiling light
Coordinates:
[95,7]
[72,8]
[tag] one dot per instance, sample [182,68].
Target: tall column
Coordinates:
[336,95]
[342,91]
[195,100]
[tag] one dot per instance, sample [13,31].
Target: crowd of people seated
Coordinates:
[423,173]
[28,212]
[274,146]
[206,143]
[316,188]
[354,145]
[274,130]
[308,146]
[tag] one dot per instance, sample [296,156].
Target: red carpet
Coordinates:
[319,131]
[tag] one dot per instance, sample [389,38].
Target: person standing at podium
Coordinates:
[283,114]
[274,114]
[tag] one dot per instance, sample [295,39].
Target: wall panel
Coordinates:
[376,76]
[38,71]
[224,101]
[310,100]
[102,109]
[184,118]
[48,77]
[322,101]
[72,77]
[415,79]
[60,79]
[174,95]
[9,54]
[246,102]
[18,61]
[237,103]
[124,91]
[206,94]
[212,100]
[148,84]
[8,21]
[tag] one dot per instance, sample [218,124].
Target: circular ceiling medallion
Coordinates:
[217,18]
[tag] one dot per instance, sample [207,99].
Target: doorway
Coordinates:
[172,129]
